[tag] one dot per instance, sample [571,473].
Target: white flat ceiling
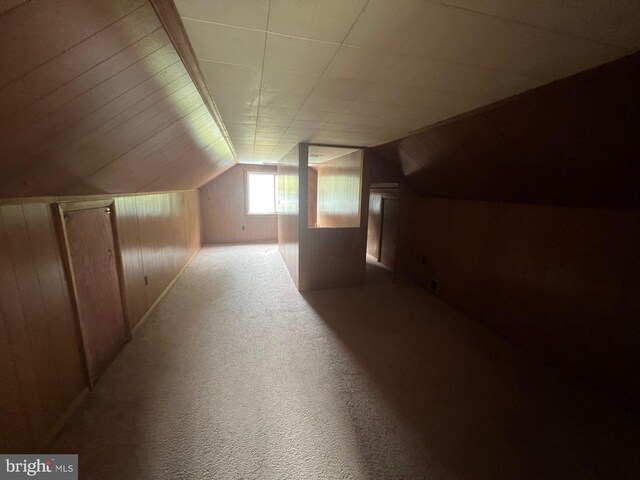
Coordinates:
[358,72]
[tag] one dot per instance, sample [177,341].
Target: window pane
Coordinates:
[261,193]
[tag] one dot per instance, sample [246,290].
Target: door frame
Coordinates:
[61,208]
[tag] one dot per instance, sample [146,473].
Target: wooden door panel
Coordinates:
[93,262]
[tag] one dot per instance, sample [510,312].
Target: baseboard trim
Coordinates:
[146,316]
[55,430]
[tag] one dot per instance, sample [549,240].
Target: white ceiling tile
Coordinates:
[277,113]
[307,113]
[327,20]
[220,43]
[324,104]
[281,99]
[383,25]
[268,121]
[406,63]
[290,82]
[297,55]
[270,130]
[242,13]
[360,64]
[216,73]
[340,88]
[235,95]
[306,124]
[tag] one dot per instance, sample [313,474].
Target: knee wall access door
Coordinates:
[92,259]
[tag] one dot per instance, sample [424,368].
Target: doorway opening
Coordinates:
[382,231]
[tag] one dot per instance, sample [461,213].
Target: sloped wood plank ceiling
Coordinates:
[95,99]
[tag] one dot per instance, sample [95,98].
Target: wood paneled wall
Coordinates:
[318,257]
[42,370]
[335,257]
[94,98]
[374,224]
[573,142]
[339,191]
[223,207]
[42,366]
[563,282]
[158,234]
[291,210]
[312,198]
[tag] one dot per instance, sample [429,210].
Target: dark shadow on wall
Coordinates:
[446,397]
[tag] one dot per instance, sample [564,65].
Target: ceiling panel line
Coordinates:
[170,19]
[258,30]
[318,79]
[264,55]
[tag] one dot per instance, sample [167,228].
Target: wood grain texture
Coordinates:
[224,211]
[42,369]
[96,99]
[560,281]
[374,225]
[573,142]
[92,258]
[42,363]
[312,198]
[335,256]
[289,221]
[339,191]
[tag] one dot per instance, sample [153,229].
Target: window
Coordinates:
[261,193]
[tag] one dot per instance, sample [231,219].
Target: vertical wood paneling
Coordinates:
[34,316]
[312,196]
[42,369]
[339,191]
[51,278]
[336,256]
[14,422]
[160,233]
[224,214]
[39,325]
[556,280]
[373,225]
[133,270]
[289,212]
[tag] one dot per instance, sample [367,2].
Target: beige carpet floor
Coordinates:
[238,376]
